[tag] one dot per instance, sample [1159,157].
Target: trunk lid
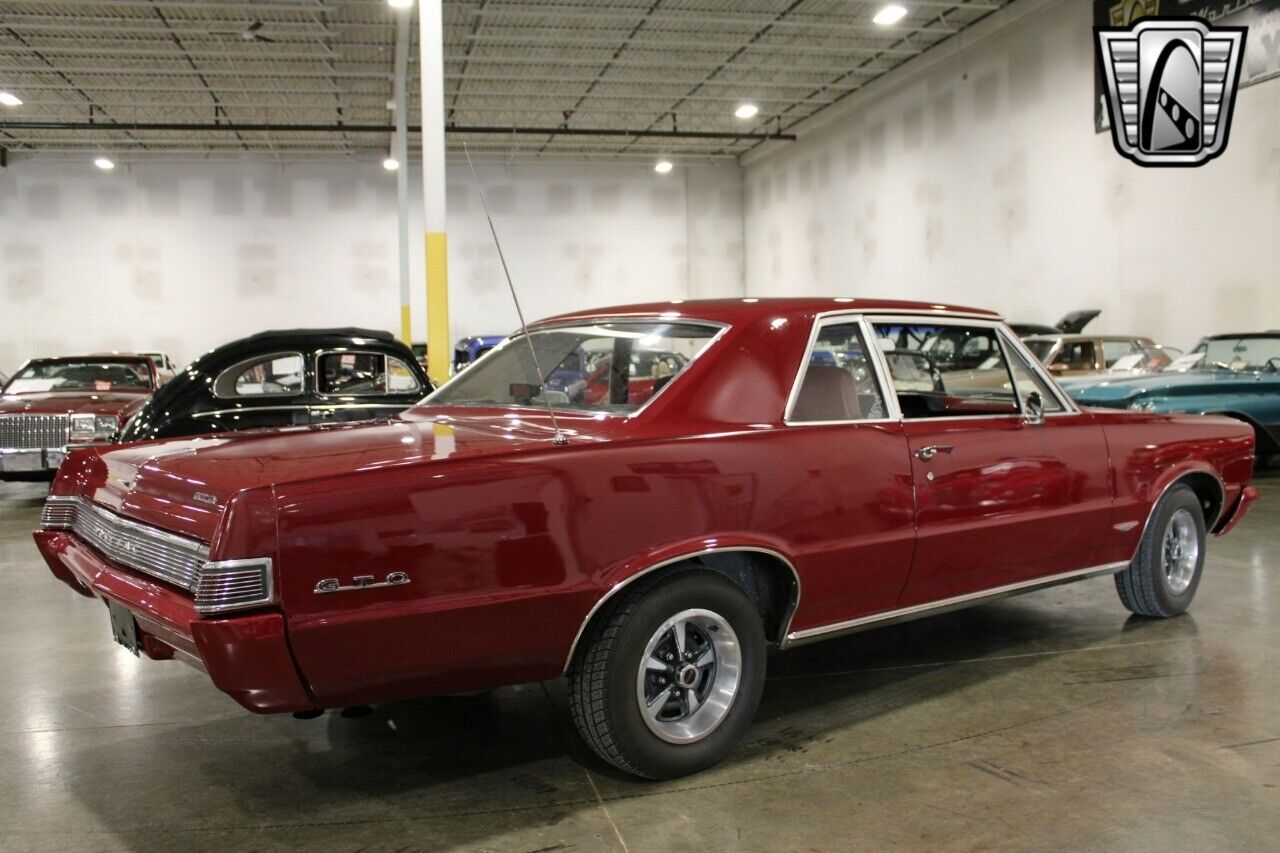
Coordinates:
[184,485]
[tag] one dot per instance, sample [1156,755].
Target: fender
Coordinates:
[624,574]
[1173,477]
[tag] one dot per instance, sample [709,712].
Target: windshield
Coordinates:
[1040,349]
[1243,354]
[579,363]
[85,375]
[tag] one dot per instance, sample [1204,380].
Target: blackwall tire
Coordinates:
[1163,577]
[652,711]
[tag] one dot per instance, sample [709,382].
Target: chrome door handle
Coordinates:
[926,453]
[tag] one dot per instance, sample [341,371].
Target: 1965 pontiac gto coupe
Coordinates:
[649,542]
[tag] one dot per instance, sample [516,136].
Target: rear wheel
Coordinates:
[669,676]
[1163,577]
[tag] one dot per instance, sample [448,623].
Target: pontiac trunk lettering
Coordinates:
[361,582]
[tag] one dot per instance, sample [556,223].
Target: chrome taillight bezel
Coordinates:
[226,585]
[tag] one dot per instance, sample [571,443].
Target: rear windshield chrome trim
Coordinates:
[517,336]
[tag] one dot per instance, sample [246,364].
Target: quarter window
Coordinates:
[974,382]
[275,375]
[1029,381]
[839,383]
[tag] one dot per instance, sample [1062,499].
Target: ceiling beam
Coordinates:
[259,127]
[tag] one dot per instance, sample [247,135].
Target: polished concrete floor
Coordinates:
[1050,721]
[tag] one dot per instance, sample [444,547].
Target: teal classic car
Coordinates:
[1238,376]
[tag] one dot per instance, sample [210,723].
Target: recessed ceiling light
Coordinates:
[391,164]
[10,100]
[663,166]
[890,15]
[746,111]
[104,163]
[399,4]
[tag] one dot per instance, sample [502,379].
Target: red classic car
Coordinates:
[55,404]
[778,490]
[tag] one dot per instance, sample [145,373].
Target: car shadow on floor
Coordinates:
[473,764]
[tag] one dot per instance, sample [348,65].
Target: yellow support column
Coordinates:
[431,67]
[439,351]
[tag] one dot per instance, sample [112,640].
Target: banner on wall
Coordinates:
[1261,48]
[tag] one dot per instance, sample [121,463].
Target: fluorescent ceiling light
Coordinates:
[890,15]
[399,4]
[104,163]
[663,166]
[391,164]
[10,100]
[746,111]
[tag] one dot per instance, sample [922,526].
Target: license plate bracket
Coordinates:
[124,628]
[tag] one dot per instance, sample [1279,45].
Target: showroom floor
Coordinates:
[1049,721]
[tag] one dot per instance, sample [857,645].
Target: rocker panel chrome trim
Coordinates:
[933,607]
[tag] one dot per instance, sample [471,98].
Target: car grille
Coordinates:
[33,432]
[167,556]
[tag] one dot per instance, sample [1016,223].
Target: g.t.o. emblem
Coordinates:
[1171,88]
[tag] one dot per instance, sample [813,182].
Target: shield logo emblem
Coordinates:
[1171,87]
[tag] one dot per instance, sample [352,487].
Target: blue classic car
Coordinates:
[468,350]
[1238,376]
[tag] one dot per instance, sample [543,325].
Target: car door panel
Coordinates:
[1006,502]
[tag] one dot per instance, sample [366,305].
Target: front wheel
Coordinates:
[669,676]
[1163,577]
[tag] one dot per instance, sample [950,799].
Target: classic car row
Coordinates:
[273,379]
[642,499]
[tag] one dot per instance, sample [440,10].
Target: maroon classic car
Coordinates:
[54,404]
[782,487]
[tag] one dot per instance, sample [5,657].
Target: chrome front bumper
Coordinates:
[31,460]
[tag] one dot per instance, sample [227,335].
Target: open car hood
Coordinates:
[1074,322]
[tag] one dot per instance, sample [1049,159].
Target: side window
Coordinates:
[1113,351]
[839,382]
[1077,355]
[1028,381]
[928,384]
[275,375]
[352,374]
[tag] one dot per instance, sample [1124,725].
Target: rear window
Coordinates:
[611,367]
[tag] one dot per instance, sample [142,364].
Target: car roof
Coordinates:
[122,357]
[747,309]
[1243,336]
[349,331]
[1084,336]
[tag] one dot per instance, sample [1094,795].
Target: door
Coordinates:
[1001,496]
[848,512]
[361,385]
[266,390]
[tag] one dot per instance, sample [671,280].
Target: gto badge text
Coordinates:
[361,582]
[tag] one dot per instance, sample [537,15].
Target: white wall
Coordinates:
[980,181]
[181,257]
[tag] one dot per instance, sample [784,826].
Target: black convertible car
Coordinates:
[285,378]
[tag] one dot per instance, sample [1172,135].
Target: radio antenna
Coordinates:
[558,437]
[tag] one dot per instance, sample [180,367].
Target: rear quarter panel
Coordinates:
[506,557]
[1150,452]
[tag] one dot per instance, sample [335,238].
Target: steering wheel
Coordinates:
[1273,364]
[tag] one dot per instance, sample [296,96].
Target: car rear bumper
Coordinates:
[246,657]
[1238,510]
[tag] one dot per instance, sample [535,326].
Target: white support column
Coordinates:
[401,154]
[431,39]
